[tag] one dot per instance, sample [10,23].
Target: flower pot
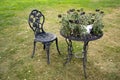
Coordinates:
[89,28]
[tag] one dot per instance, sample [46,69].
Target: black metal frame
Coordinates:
[84,39]
[70,54]
[36,21]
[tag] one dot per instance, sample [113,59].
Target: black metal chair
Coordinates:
[36,21]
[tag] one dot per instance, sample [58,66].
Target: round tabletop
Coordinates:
[83,38]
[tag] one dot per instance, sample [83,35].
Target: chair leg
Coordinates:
[43,46]
[57,46]
[47,47]
[33,49]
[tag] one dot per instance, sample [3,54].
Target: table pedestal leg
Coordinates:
[84,56]
[85,47]
[70,49]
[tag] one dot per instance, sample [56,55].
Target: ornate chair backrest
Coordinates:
[36,21]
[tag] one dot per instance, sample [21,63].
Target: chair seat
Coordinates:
[45,37]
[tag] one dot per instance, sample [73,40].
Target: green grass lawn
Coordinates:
[16,42]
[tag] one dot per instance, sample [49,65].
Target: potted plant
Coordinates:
[78,23]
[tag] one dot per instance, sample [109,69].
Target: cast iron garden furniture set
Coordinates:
[36,21]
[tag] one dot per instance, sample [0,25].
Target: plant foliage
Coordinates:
[75,22]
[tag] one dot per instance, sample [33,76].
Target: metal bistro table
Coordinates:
[85,40]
